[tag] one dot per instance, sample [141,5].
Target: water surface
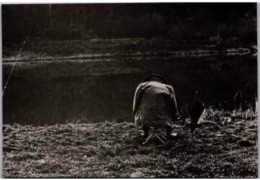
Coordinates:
[102,90]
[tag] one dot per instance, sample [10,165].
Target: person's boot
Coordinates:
[168,132]
[145,131]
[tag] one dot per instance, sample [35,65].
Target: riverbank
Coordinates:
[40,49]
[110,149]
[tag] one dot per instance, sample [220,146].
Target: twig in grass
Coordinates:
[9,148]
[213,123]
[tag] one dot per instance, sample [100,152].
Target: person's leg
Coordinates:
[145,131]
[168,132]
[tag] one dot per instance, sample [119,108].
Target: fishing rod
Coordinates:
[12,70]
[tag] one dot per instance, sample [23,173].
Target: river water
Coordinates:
[86,90]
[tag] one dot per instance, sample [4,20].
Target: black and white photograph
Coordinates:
[129,90]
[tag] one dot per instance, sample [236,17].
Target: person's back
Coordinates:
[155,105]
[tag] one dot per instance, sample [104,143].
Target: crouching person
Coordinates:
[155,105]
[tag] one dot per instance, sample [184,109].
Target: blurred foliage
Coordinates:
[216,22]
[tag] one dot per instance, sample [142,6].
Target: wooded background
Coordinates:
[232,22]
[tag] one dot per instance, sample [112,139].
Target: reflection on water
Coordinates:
[60,92]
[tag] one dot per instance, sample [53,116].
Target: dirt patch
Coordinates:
[115,150]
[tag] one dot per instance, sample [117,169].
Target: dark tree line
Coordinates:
[178,21]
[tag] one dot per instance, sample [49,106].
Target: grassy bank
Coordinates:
[112,149]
